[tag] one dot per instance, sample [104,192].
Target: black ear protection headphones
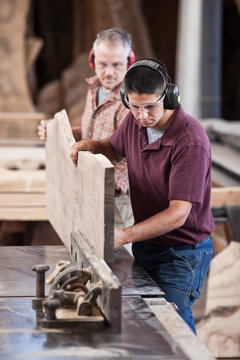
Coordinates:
[131,56]
[172,96]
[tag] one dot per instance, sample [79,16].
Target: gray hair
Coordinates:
[114,36]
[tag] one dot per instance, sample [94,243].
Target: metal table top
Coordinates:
[142,335]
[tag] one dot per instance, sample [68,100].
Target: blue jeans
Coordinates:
[179,270]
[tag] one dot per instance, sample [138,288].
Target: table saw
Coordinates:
[142,335]
[100,304]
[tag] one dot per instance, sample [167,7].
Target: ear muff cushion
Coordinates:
[123,96]
[91,59]
[131,58]
[172,98]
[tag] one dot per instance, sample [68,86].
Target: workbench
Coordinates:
[142,335]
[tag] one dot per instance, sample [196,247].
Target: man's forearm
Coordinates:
[165,221]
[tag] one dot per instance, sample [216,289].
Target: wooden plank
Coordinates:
[79,198]
[23,213]
[20,125]
[23,200]
[22,158]
[225,196]
[22,181]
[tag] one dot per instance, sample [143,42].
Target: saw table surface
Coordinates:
[142,335]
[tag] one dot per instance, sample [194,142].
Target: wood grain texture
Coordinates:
[78,198]
[220,331]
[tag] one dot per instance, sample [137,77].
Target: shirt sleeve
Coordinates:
[118,138]
[121,114]
[190,174]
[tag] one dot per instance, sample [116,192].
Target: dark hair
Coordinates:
[143,78]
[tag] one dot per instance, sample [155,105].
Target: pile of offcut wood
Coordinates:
[220,327]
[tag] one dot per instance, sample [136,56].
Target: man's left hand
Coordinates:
[120,237]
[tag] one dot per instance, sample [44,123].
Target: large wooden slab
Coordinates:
[14,91]
[78,198]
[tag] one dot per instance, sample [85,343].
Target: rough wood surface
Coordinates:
[14,91]
[220,331]
[220,328]
[78,198]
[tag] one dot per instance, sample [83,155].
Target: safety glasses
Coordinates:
[145,107]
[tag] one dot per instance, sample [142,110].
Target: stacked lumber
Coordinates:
[22,195]
[22,178]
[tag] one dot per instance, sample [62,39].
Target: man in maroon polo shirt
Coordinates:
[169,166]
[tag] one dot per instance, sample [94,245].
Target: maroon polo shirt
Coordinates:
[175,167]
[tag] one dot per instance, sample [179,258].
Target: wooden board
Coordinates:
[22,157]
[20,125]
[25,181]
[78,198]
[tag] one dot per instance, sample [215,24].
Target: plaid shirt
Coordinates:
[100,121]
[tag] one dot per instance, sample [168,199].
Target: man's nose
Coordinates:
[109,70]
[143,113]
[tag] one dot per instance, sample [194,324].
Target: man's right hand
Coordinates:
[42,130]
[85,145]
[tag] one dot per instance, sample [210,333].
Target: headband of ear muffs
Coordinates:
[172,97]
